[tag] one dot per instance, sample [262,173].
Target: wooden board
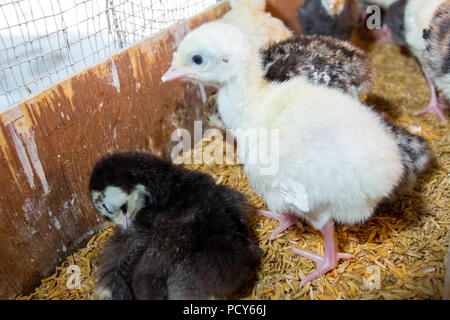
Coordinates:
[286,10]
[49,143]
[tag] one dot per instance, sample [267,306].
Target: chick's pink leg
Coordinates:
[285,221]
[329,260]
[434,106]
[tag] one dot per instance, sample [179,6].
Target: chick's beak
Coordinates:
[174,73]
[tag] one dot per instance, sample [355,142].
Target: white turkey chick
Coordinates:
[320,59]
[260,26]
[426,32]
[336,157]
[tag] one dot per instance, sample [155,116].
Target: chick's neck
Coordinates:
[240,95]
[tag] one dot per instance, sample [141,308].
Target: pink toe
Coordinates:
[344,256]
[434,106]
[310,277]
[268,214]
[277,231]
[309,255]
[433,109]
[285,221]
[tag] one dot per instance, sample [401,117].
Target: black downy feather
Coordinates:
[395,20]
[191,241]
[315,20]
[321,60]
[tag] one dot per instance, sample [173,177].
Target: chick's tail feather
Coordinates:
[414,152]
[258,5]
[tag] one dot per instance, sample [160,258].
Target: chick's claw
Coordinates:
[324,264]
[434,107]
[327,262]
[285,221]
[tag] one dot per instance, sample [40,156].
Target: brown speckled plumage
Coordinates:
[322,60]
[437,53]
[414,152]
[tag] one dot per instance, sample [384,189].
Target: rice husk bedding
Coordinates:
[400,253]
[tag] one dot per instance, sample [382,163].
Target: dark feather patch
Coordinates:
[191,241]
[321,60]
[395,20]
[426,34]
[414,152]
[315,20]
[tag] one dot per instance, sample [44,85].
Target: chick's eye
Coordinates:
[124,208]
[197,59]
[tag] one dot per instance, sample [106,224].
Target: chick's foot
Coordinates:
[434,107]
[285,221]
[331,258]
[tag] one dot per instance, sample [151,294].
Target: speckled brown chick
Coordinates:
[178,235]
[437,52]
[427,36]
[322,60]
[334,18]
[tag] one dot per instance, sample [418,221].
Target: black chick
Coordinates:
[184,237]
[322,60]
[118,258]
[335,18]
[394,19]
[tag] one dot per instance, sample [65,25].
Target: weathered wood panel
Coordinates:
[48,145]
[286,10]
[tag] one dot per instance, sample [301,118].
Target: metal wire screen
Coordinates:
[44,41]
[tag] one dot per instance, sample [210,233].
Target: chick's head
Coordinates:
[210,54]
[116,191]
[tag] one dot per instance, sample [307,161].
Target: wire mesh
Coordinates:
[44,41]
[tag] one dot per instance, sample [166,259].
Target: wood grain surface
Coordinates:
[49,143]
